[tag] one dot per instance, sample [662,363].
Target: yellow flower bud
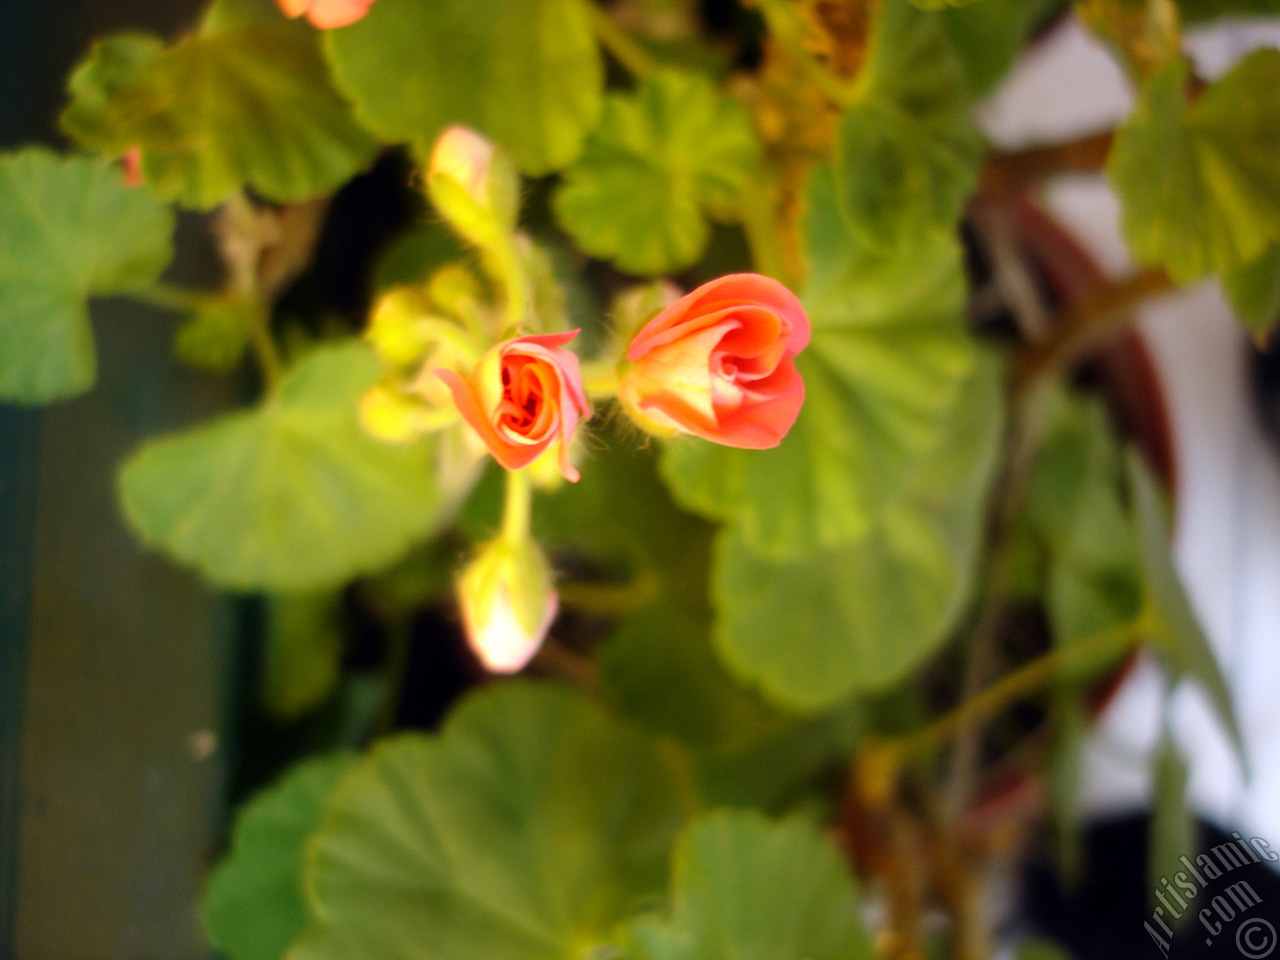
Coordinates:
[473,185]
[507,603]
[396,327]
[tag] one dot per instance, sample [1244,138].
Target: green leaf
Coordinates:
[413,256]
[216,336]
[254,908]
[1200,183]
[526,830]
[660,668]
[1173,826]
[1177,630]
[1076,508]
[69,230]
[862,615]
[246,100]
[988,36]
[525,73]
[1254,292]
[659,159]
[649,541]
[1042,950]
[1195,11]
[291,495]
[749,889]
[884,368]
[304,652]
[1064,775]
[907,152]
[657,666]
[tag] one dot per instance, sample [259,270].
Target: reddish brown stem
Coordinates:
[1089,323]
[1006,173]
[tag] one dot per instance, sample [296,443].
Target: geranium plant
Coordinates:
[665,397]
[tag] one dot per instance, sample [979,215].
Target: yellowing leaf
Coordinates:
[1200,182]
[1254,292]
[69,230]
[246,100]
[659,159]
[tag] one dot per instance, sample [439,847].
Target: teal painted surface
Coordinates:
[113,664]
[19,447]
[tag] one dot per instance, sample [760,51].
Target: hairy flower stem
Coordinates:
[517,506]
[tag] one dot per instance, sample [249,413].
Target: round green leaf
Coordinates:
[304,647]
[1254,292]
[749,889]
[658,159]
[1200,183]
[527,830]
[862,615]
[526,73]
[254,908]
[246,100]
[292,495]
[907,152]
[885,365]
[69,230]
[660,669]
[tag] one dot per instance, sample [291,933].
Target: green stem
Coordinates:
[166,297]
[764,235]
[265,350]
[612,599]
[395,669]
[517,506]
[618,42]
[503,263]
[1021,683]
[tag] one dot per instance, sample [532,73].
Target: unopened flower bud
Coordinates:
[473,185]
[507,603]
[393,416]
[396,330]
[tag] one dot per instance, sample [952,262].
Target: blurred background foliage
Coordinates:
[778,678]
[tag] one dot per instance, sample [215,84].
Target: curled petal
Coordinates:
[524,395]
[718,364]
